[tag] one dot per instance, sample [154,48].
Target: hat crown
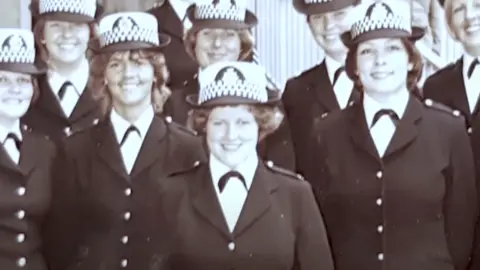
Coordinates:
[128,27]
[233,79]
[382,15]
[221,9]
[82,7]
[17,46]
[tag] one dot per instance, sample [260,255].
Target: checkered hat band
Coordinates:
[20,56]
[243,90]
[317,1]
[68,6]
[390,22]
[233,13]
[135,34]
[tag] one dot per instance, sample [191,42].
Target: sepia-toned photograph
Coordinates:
[240,135]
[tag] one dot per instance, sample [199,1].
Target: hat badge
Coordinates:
[124,24]
[379,11]
[229,75]
[14,43]
[216,2]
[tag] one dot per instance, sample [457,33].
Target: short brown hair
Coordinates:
[38,32]
[447,7]
[413,75]
[246,39]
[268,119]
[160,92]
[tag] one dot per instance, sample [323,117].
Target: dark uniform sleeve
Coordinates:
[312,251]
[460,203]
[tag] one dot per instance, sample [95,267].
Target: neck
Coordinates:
[473,51]
[339,57]
[7,123]
[386,98]
[67,69]
[130,113]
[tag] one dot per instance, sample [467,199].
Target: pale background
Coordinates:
[284,44]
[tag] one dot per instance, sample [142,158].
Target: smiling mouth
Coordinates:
[230,147]
[473,27]
[331,36]
[380,75]
[67,46]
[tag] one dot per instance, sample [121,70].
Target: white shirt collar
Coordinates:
[247,169]
[15,130]
[467,61]
[79,78]
[180,8]
[332,67]
[120,125]
[371,106]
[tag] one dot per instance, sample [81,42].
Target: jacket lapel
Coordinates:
[29,152]
[360,132]
[258,200]
[455,81]
[406,131]
[205,200]
[47,99]
[84,106]
[320,83]
[108,149]
[6,162]
[153,148]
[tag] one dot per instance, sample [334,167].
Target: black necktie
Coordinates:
[224,179]
[63,89]
[393,115]
[129,130]
[337,74]
[14,137]
[471,68]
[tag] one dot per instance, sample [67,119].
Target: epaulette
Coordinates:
[185,169]
[283,171]
[440,107]
[170,122]
[69,132]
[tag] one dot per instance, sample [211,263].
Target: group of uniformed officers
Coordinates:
[130,143]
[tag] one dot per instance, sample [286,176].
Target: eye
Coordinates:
[243,122]
[393,48]
[340,14]
[24,80]
[365,51]
[216,123]
[458,9]
[113,65]
[3,80]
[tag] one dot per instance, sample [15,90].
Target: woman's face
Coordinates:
[66,42]
[232,134]
[216,45]
[383,65]
[129,77]
[16,92]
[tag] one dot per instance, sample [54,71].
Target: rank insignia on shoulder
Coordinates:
[283,171]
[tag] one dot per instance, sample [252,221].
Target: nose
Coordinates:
[328,22]
[67,31]
[217,42]
[14,88]
[232,132]
[380,59]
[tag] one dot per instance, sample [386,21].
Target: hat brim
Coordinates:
[249,22]
[36,69]
[417,33]
[163,39]
[69,17]
[319,8]
[274,98]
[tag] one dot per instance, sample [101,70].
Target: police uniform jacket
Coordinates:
[279,227]
[415,208]
[46,116]
[447,86]
[25,195]
[104,218]
[180,65]
[308,98]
